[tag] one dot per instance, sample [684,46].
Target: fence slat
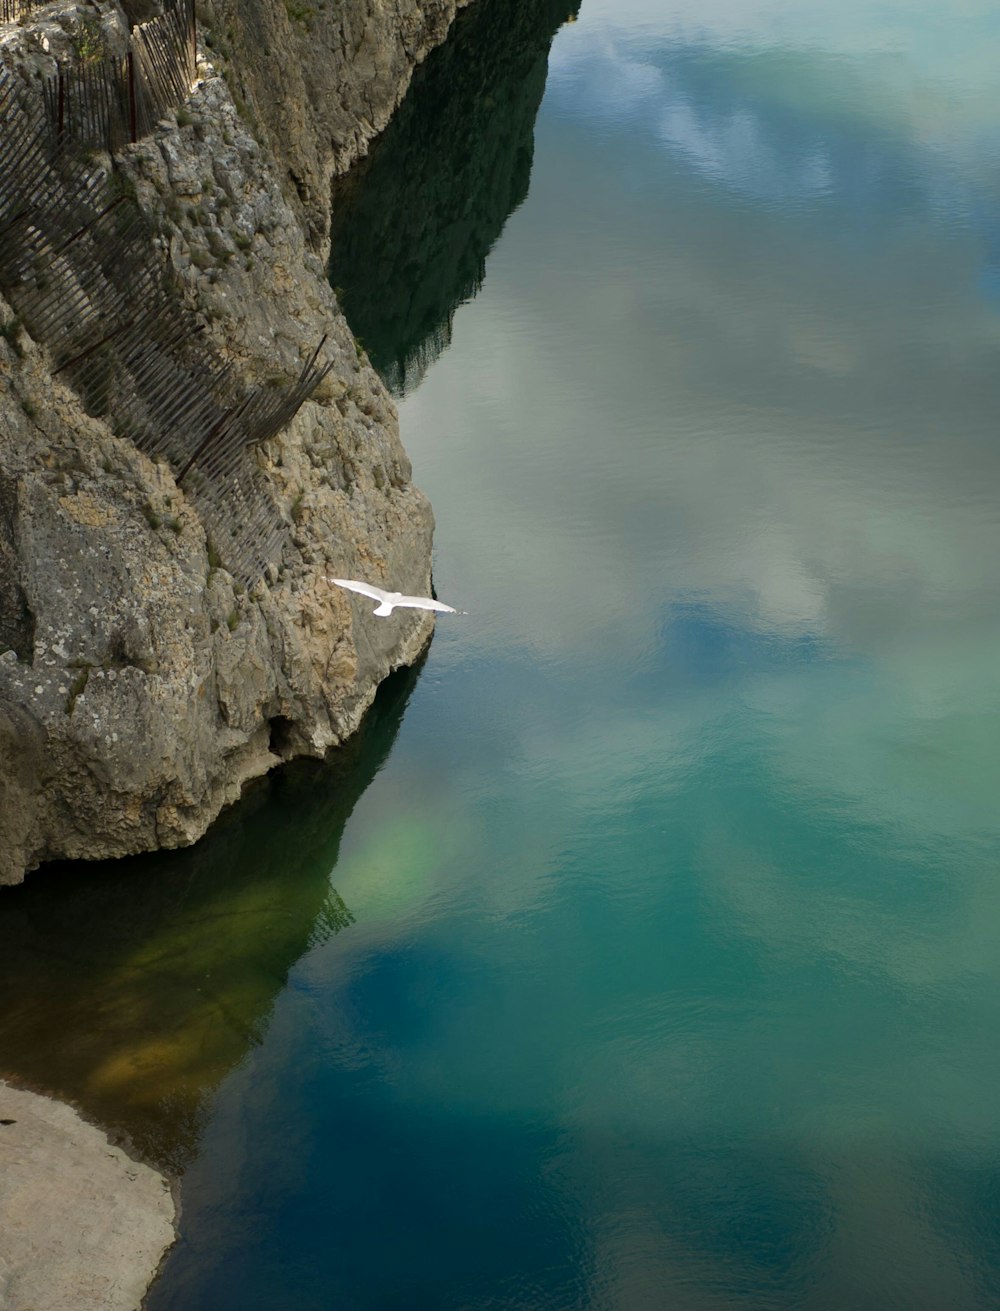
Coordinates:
[12,11]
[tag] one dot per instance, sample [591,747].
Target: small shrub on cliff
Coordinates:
[120,185]
[300,13]
[89,41]
[11,333]
[77,687]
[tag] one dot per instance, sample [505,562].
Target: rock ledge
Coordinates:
[83,1227]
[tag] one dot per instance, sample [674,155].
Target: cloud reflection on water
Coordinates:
[680,889]
[785,413]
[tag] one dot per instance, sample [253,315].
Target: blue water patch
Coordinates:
[648,955]
[704,645]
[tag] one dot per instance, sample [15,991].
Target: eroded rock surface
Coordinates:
[139,689]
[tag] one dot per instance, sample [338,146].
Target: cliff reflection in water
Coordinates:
[133,987]
[414,222]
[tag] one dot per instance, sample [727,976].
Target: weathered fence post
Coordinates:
[132,117]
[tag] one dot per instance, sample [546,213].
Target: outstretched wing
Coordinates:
[426,603]
[366,589]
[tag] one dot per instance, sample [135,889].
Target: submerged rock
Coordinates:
[84,1227]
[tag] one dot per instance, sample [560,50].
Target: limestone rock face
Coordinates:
[344,68]
[139,687]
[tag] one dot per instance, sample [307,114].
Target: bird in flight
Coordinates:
[389,599]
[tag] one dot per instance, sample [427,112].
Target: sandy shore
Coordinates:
[82,1226]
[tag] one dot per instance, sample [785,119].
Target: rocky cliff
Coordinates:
[139,686]
[320,79]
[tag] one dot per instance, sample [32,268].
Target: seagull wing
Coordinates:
[366,589]
[426,603]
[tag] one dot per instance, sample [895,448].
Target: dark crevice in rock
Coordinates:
[17,623]
[281,740]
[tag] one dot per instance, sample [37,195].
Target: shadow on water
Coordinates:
[414,222]
[132,987]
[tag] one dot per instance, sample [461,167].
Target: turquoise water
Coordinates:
[662,965]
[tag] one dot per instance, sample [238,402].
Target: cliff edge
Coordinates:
[140,685]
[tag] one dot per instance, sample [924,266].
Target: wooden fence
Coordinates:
[12,11]
[78,265]
[111,101]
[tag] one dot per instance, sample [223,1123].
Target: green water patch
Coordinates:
[133,987]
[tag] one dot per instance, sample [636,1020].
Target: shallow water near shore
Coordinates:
[644,950]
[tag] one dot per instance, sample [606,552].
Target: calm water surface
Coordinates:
[658,965]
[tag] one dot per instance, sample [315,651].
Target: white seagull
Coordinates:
[389,599]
